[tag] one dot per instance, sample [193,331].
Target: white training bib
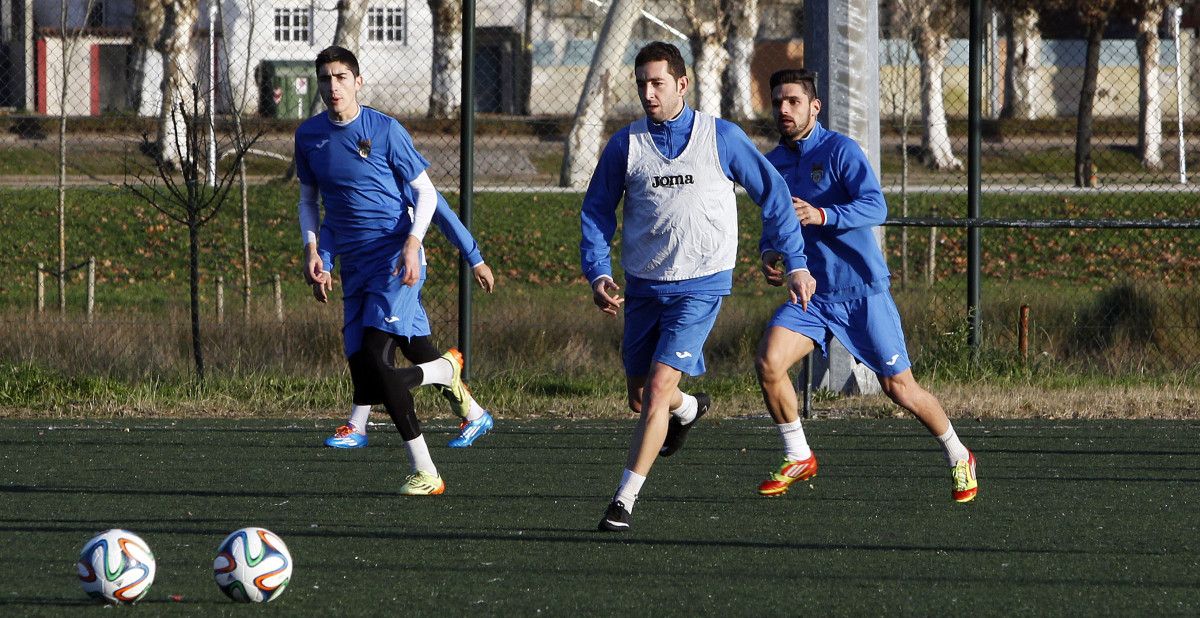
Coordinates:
[680,215]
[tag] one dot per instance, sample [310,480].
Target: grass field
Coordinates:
[1078,518]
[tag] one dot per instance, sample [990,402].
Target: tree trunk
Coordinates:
[445,95]
[738,97]
[581,151]
[1085,171]
[707,40]
[1150,97]
[174,43]
[148,18]
[350,14]
[932,48]
[1022,61]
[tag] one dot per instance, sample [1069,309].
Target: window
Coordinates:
[291,25]
[388,24]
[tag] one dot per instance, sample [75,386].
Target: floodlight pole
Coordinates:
[466,177]
[974,135]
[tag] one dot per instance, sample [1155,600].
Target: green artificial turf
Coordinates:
[1072,518]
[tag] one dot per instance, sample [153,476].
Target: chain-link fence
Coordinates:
[83,85]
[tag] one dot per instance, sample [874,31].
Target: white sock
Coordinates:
[686,412]
[952,446]
[418,453]
[358,418]
[476,411]
[795,445]
[438,371]
[627,492]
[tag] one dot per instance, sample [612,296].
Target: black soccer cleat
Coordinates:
[616,518]
[677,432]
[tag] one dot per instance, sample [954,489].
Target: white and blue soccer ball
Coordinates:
[116,566]
[253,565]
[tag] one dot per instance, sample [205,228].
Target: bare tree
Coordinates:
[237,105]
[1149,14]
[69,41]
[445,94]
[174,43]
[1095,15]
[706,37]
[1021,58]
[581,151]
[741,25]
[185,198]
[927,24]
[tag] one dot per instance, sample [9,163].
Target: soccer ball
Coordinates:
[116,566]
[252,565]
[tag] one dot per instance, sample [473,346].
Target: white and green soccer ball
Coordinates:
[116,566]
[253,565]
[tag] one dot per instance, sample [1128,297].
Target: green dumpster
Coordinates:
[287,88]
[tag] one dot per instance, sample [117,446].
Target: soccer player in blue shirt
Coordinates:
[476,422]
[676,171]
[838,201]
[363,165]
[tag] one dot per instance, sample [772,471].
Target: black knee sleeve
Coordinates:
[392,384]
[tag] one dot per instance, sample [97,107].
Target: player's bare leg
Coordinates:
[653,397]
[778,351]
[903,389]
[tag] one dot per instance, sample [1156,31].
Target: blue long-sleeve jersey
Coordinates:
[830,171]
[444,217]
[741,162]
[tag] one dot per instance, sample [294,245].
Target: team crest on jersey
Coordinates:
[364,148]
[671,181]
[817,173]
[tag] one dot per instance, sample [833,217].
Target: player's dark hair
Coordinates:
[806,78]
[658,50]
[334,53]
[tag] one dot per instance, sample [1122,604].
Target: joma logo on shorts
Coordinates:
[671,181]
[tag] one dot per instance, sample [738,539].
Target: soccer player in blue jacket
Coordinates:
[476,421]
[675,170]
[838,201]
[363,165]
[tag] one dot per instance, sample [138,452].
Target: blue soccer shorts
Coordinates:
[868,327]
[377,299]
[668,329]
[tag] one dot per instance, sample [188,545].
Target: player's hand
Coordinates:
[313,266]
[409,264]
[807,213]
[604,295]
[801,287]
[322,286]
[770,267]
[483,276]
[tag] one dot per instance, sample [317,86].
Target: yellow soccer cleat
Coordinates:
[789,472]
[422,483]
[965,483]
[456,392]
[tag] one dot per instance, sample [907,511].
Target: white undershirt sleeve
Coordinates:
[310,214]
[426,205]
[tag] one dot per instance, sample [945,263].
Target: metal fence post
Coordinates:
[278,287]
[220,299]
[974,138]
[91,288]
[39,276]
[466,186]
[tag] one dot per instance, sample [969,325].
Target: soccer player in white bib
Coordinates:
[369,176]
[838,201]
[676,170]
